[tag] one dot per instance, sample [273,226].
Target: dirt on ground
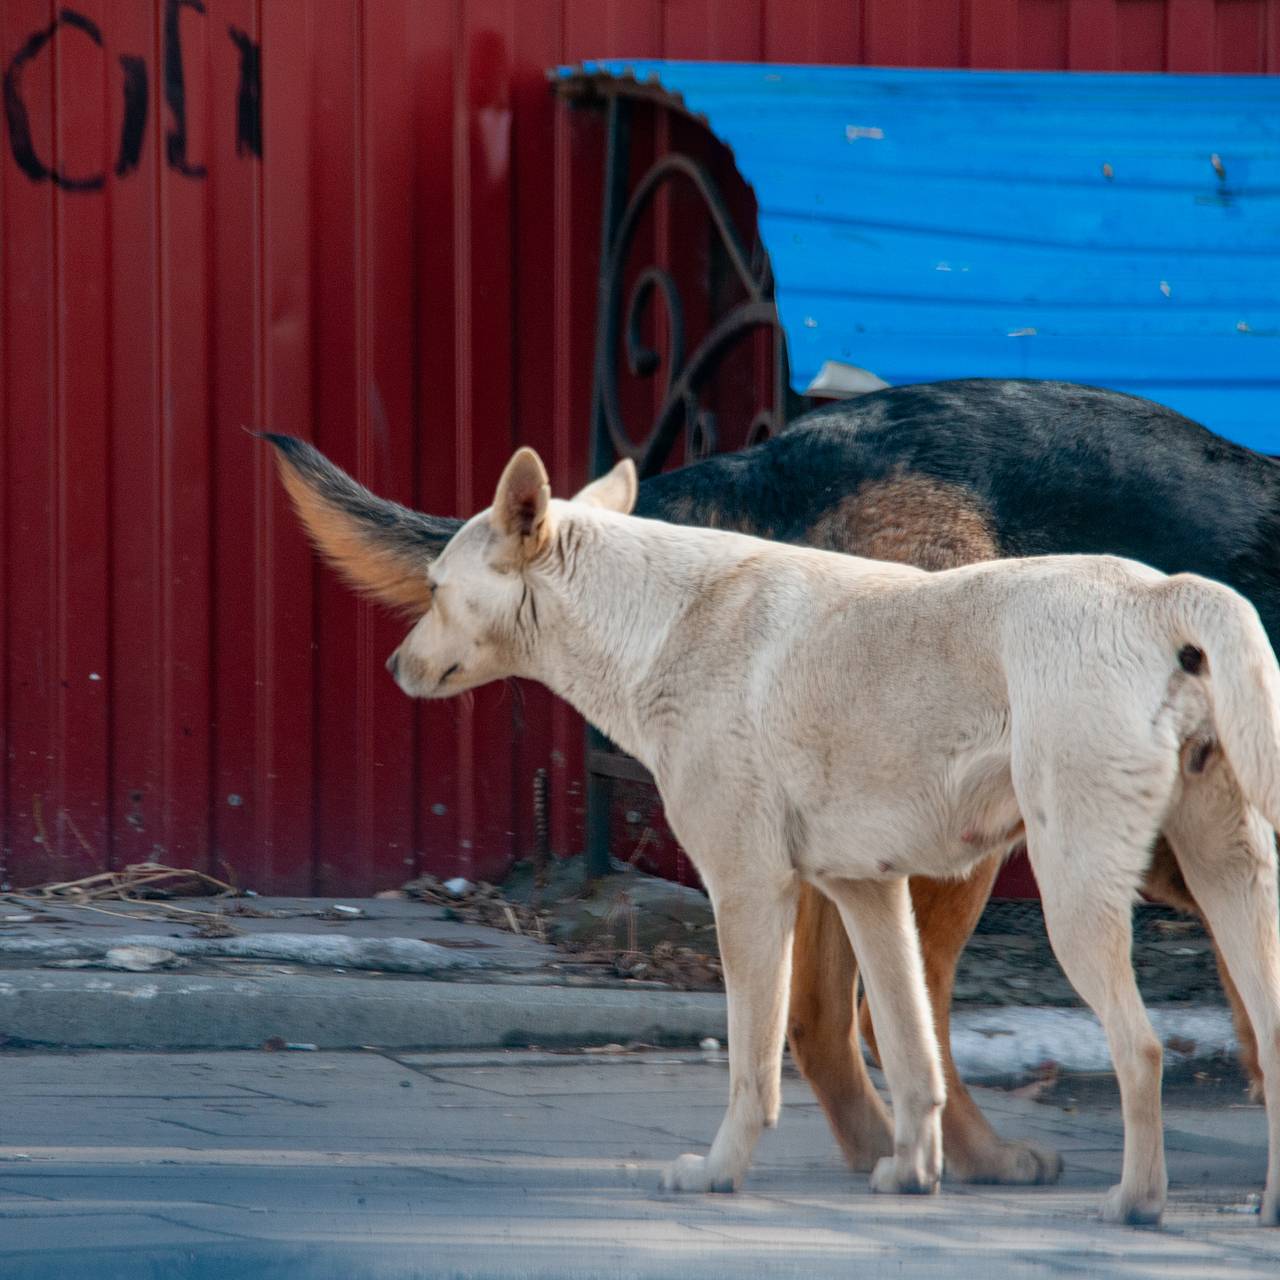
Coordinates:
[627,925]
[646,929]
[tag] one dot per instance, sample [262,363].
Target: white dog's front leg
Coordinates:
[881,927]
[754,930]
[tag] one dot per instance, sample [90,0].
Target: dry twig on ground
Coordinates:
[139,881]
[141,884]
[668,963]
[481,904]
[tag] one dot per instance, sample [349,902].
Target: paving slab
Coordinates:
[177,1011]
[487,1164]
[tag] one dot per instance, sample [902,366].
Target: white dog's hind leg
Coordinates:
[1087,884]
[881,927]
[1227,853]
[754,925]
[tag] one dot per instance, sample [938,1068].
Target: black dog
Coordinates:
[1052,466]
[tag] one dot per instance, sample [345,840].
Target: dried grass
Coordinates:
[142,884]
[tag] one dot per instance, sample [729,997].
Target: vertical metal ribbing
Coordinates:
[617,166]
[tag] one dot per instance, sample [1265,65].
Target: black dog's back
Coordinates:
[1055,467]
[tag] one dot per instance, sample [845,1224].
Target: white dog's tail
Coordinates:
[1226,642]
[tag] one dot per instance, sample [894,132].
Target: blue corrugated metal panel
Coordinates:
[1119,230]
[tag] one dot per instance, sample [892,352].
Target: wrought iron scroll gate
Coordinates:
[736,284]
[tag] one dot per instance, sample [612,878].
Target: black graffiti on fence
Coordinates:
[15,109]
[249,95]
[135,113]
[175,90]
[137,99]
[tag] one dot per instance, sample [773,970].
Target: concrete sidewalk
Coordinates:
[399,974]
[502,1165]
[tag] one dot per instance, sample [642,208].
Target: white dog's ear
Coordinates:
[614,492]
[520,504]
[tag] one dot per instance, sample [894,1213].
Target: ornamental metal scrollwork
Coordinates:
[686,373]
[622,312]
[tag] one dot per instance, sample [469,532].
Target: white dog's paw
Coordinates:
[1269,1213]
[896,1177]
[694,1173]
[1130,1210]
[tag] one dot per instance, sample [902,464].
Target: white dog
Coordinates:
[812,716]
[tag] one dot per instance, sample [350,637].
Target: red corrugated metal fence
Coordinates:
[366,223]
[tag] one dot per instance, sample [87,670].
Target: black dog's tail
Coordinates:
[381,548]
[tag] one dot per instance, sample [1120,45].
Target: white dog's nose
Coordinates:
[393,662]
